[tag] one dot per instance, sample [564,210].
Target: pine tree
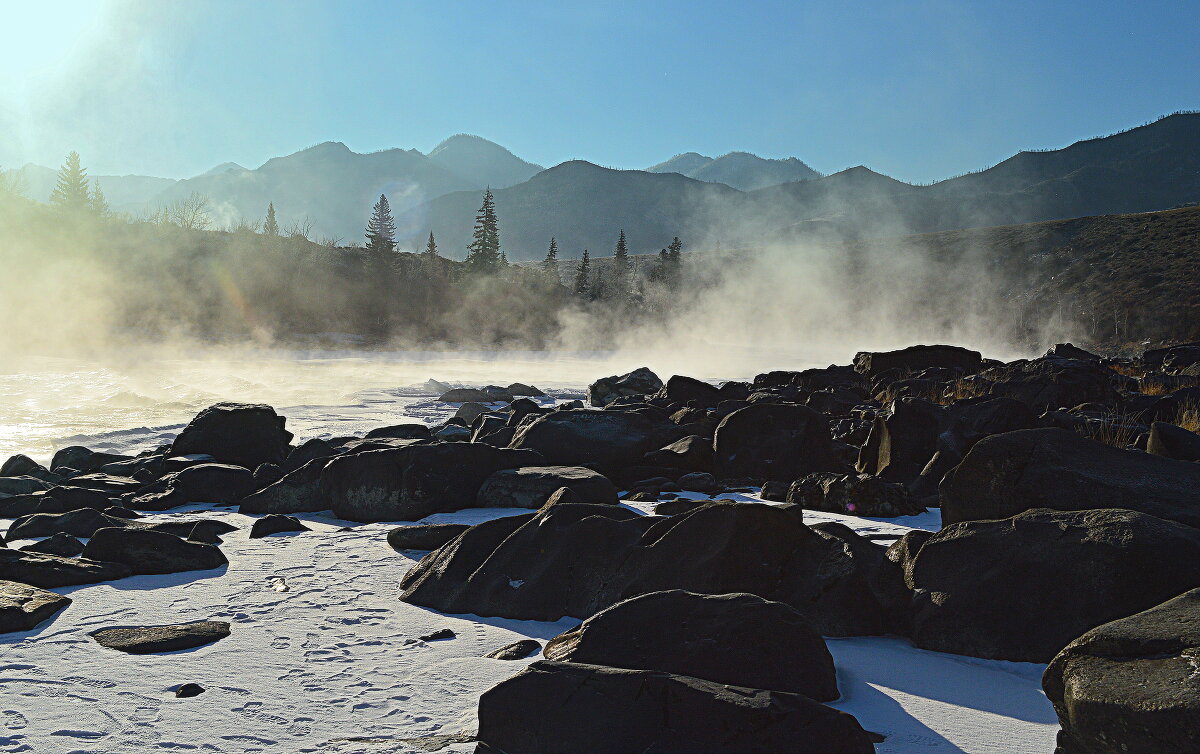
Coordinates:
[550,264]
[674,260]
[98,203]
[431,261]
[270,225]
[71,193]
[583,275]
[484,255]
[381,229]
[621,266]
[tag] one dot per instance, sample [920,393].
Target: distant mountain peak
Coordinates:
[482,161]
[741,170]
[224,167]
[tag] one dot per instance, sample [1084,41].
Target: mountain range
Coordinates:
[735,199]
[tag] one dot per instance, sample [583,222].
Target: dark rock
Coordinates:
[775,491]
[853,494]
[689,390]
[52,571]
[218,483]
[23,607]
[697,482]
[19,465]
[410,483]
[267,474]
[81,523]
[466,395]
[1069,351]
[206,530]
[275,524]
[772,441]
[532,486]
[424,536]
[1047,383]
[1171,441]
[916,358]
[1005,474]
[311,450]
[22,485]
[521,389]
[902,442]
[439,635]
[677,506]
[81,459]
[1130,685]
[469,412]
[188,690]
[516,651]
[734,639]
[638,382]
[117,511]
[74,498]
[992,416]
[609,439]
[63,545]
[236,433]
[572,707]
[402,432]
[1022,588]
[146,552]
[155,639]
[297,492]
[693,453]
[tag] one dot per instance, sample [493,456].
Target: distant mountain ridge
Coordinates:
[740,170]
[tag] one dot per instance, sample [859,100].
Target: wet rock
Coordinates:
[23,607]
[275,524]
[423,536]
[148,552]
[640,381]
[567,706]
[516,651]
[734,639]
[532,486]
[241,434]
[156,639]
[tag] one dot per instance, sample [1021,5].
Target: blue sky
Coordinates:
[917,90]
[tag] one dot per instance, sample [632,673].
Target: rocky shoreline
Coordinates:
[1067,487]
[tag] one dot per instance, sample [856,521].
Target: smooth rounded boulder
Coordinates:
[218,483]
[1022,588]
[556,707]
[52,571]
[423,536]
[154,639]
[640,381]
[23,607]
[735,639]
[1005,474]
[532,486]
[917,358]
[145,551]
[1130,685]
[608,439]
[241,434]
[766,441]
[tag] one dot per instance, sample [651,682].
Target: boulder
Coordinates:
[206,530]
[773,441]
[22,485]
[82,459]
[853,494]
[147,552]
[1171,441]
[297,492]
[608,439]
[241,434]
[424,536]
[640,381]
[53,571]
[469,412]
[698,481]
[402,432]
[466,395]
[734,639]
[218,483]
[1022,588]
[410,483]
[1005,474]
[694,453]
[691,391]
[917,358]
[1070,351]
[311,450]
[20,465]
[521,389]
[532,486]
[63,545]
[903,441]
[275,523]
[1047,383]
[23,607]
[145,640]
[518,650]
[80,523]
[1130,685]
[554,707]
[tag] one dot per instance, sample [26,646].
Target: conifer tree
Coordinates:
[483,254]
[583,275]
[430,259]
[621,266]
[550,263]
[381,229]
[270,225]
[98,203]
[71,192]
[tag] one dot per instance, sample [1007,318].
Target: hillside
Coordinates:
[740,170]
[119,190]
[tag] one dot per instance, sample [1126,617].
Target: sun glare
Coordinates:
[43,36]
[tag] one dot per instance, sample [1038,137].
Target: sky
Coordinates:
[917,90]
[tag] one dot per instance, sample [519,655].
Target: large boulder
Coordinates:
[203,483]
[276,523]
[902,443]
[1047,383]
[80,523]
[298,491]
[1005,474]
[1130,685]
[20,465]
[1171,441]
[23,607]
[532,486]
[735,639]
[63,545]
[767,441]
[83,459]
[241,434]
[689,390]
[1022,588]
[423,536]
[145,551]
[853,494]
[22,485]
[917,358]
[409,431]
[555,707]
[52,571]
[410,483]
[694,453]
[609,439]
[640,381]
